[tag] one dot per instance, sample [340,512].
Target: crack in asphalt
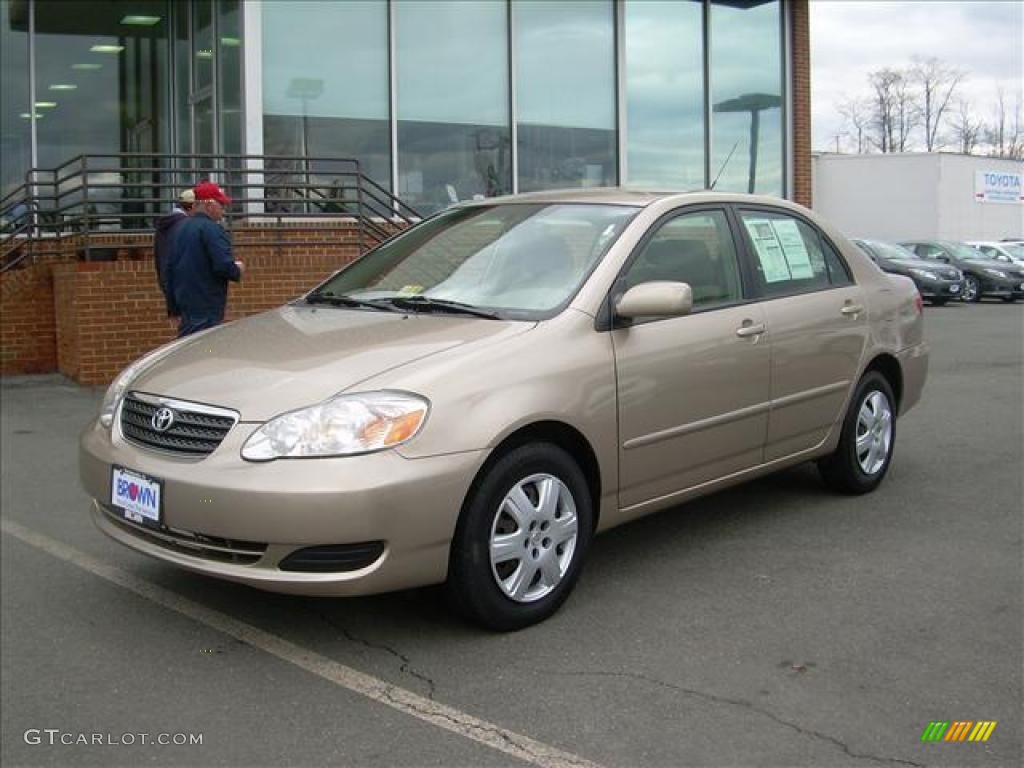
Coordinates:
[406,663]
[746,705]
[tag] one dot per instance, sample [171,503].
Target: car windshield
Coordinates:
[891,250]
[1016,250]
[514,260]
[966,252]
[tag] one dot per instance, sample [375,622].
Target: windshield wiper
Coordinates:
[417,303]
[341,300]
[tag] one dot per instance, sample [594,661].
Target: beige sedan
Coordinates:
[470,402]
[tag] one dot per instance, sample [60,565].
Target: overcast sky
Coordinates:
[850,38]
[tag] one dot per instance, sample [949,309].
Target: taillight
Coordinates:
[919,303]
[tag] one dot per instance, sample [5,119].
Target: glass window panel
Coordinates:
[565,47]
[453,117]
[696,249]
[334,104]
[229,88]
[664,64]
[788,257]
[15,113]
[182,81]
[101,86]
[746,96]
[202,42]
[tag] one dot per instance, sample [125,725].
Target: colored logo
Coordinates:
[958,730]
[162,420]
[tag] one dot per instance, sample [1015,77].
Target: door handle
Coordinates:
[852,310]
[750,329]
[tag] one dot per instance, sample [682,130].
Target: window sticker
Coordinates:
[793,248]
[769,250]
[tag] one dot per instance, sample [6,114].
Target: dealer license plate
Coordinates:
[954,288]
[136,496]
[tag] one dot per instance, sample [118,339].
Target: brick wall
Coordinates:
[799,14]
[89,319]
[28,333]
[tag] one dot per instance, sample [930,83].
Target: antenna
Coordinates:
[727,159]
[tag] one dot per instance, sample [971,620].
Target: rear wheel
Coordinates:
[862,458]
[972,289]
[521,539]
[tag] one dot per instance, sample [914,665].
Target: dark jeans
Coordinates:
[198,322]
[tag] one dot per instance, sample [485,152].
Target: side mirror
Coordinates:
[659,298]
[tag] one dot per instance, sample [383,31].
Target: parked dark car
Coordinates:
[937,283]
[982,276]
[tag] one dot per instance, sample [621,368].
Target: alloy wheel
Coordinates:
[971,289]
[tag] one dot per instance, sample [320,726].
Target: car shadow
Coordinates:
[637,547]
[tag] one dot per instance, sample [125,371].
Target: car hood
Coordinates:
[1002,266]
[296,355]
[919,264]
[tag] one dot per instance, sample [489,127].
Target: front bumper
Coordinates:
[289,504]
[994,286]
[939,289]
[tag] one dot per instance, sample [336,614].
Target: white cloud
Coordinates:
[850,38]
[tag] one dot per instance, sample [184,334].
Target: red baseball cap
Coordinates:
[208,190]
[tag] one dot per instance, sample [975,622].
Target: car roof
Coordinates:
[628,196]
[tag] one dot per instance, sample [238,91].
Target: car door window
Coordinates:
[694,248]
[789,255]
[932,252]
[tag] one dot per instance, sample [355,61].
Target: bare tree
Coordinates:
[893,110]
[857,115]
[937,82]
[966,129]
[1007,133]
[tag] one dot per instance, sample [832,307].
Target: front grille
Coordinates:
[196,430]
[191,543]
[333,557]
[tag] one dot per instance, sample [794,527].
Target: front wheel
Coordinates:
[521,538]
[972,290]
[862,458]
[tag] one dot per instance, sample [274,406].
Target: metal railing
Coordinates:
[94,195]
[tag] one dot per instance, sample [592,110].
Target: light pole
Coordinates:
[754,103]
[305,88]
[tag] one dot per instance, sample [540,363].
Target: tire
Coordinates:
[939,302]
[504,587]
[855,471]
[972,290]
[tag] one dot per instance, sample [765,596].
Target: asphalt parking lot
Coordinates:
[772,624]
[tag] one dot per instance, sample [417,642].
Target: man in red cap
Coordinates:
[202,265]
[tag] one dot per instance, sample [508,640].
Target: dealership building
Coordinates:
[437,101]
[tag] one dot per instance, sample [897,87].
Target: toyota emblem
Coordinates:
[162,420]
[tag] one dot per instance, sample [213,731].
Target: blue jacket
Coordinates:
[163,250]
[200,268]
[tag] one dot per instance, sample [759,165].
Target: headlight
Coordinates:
[342,426]
[124,379]
[996,273]
[927,274]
